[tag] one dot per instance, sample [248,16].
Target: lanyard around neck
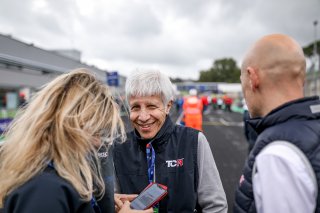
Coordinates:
[151,157]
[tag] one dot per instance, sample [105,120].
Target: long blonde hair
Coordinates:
[59,125]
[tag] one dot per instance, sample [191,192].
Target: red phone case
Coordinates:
[160,198]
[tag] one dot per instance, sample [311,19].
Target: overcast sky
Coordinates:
[178,37]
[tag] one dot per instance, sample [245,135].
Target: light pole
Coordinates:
[315,55]
[315,23]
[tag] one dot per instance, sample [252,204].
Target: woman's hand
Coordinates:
[119,200]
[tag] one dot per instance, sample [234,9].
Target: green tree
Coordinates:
[222,70]
[176,80]
[308,50]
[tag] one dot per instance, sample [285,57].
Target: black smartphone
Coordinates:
[150,196]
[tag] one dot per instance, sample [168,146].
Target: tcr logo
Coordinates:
[175,163]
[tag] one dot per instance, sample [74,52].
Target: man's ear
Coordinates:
[169,105]
[253,78]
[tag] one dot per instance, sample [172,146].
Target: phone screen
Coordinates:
[148,197]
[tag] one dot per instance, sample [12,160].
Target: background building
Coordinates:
[24,68]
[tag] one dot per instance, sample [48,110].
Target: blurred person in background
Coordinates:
[192,110]
[282,172]
[49,161]
[22,99]
[179,103]
[214,102]
[157,150]
[220,102]
[205,102]
[227,100]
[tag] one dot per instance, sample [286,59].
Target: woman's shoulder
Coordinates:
[44,190]
[48,179]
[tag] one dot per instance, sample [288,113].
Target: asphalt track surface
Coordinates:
[225,134]
[224,131]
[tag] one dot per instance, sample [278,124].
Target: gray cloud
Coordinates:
[180,37]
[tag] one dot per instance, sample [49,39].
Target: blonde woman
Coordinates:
[49,162]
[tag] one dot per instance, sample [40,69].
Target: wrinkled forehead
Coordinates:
[145,100]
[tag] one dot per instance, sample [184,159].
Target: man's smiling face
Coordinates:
[147,114]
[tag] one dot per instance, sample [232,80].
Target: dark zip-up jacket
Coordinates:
[297,122]
[49,193]
[172,144]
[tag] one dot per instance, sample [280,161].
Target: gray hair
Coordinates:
[147,83]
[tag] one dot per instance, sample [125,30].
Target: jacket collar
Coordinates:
[297,109]
[159,139]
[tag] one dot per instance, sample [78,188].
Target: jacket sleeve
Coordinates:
[106,159]
[296,178]
[211,195]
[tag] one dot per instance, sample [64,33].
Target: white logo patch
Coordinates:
[175,163]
